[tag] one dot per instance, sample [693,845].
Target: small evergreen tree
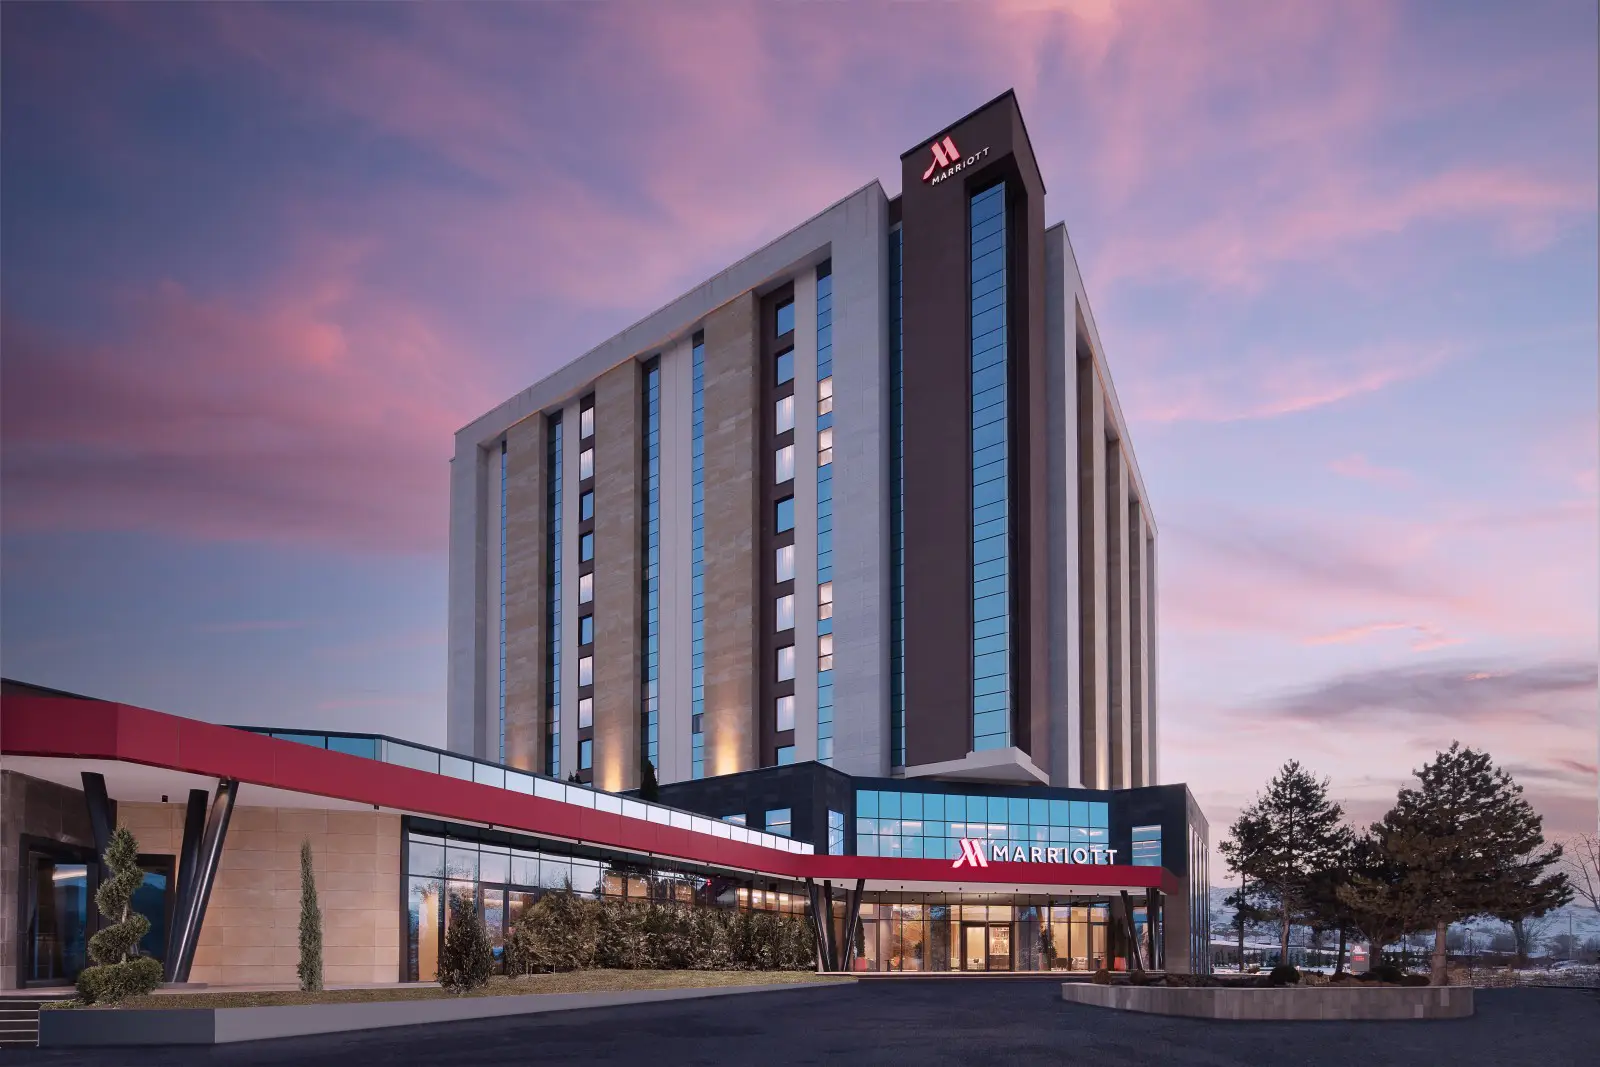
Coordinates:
[467,959]
[1382,899]
[649,788]
[1477,846]
[310,966]
[1291,832]
[119,971]
[556,934]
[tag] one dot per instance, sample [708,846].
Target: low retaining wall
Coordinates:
[1289,1003]
[77,1027]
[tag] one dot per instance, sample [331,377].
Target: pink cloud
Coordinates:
[1427,639]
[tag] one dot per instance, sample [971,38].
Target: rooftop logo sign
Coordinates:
[948,156]
[972,854]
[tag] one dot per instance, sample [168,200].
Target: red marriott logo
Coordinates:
[944,154]
[971,854]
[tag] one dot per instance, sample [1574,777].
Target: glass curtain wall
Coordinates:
[649,713]
[897,510]
[507,874]
[937,932]
[697,560]
[991,476]
[825,515]
[931,825]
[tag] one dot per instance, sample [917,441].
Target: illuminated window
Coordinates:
[783,464]
[825,600]
[586,464]
[585,670]
[585,588]
[824,652]
[825,447]
[785,563]
[785,664]
[825,395]
[785,713]
[586,422]
[785,612]
[784,418]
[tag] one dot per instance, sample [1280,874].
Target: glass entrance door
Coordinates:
[999,946]
[974,948]
[58,927]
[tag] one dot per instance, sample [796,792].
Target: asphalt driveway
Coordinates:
[920,1024]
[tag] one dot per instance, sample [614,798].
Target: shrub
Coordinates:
[1284,974]
[1386,972]
[1101,977]
[556,934]
[119,971]
[1414,980]
[467,960]
[310,967]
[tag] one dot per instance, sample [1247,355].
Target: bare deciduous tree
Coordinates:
[1583,868]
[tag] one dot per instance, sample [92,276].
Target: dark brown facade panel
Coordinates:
[732,570]
[618,459]
[1091,578]
[768,687]
[527,585]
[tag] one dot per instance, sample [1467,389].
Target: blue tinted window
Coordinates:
[778,821]
[911,805]
[1147,846]
[889,805]
[786,514]
[1080,813]
[586,630]
[1098,815]
[354,746]
[586,547]
[785,755]
[933,806]
[586,505]
[786,367]
[867,803]
[835,833]
[1017,810]
[585,755]
[785,317]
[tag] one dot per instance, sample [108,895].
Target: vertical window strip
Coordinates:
[552,757]
[991,490]
[504,524]
[897,511]
[650,741]
[697,561]
[825,511]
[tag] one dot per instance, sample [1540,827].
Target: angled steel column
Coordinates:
[852,910]
[819,916]
[830,937]
[100,820]
[194,827]
[1135,957]
[205,873]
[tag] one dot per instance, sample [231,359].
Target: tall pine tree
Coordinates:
[1284,839]
[1472,845]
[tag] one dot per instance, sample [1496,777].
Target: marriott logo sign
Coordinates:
[947,156]
[979,853]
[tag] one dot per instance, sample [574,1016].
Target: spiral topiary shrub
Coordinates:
[119,971]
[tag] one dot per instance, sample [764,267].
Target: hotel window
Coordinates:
[586,630]
[825,447]
[835,833]
[778,821]
[931,825]
[825,600]
[785,714]
[586,505]
[785,663]
[505,520]
[825,510]
[1147,846]
[785,755]
[586,464]
[825,395]
[697,557]
[783,464]
[585,713]
[586,422]
[785,563]
[785,612]
[650,587]
[786,367]
[824,652]
[585,755]
[585,588]
[585,670]
[586,548]
[736,819]
[785,514]
[991,491]
[785,317]
[784,417]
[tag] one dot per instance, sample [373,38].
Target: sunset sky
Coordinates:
[257,264]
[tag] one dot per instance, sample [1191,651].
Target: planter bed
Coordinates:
[1341,1002]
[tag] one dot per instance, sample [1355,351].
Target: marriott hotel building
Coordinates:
[849,550]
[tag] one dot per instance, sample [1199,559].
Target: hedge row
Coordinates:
[563,931]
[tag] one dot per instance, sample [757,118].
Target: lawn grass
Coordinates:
[591,981]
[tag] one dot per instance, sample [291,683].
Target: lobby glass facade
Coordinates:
[931,825]
[506,873]
[991,476]
[951,932]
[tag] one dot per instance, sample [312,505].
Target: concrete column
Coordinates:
[1092,594]
[731,387]
[677,417]
[1117,611]
[1152,659]
[618,458]
[1138,661]
[805,516]
[1061,352]
[488,729]
[527,602]
[465,685]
